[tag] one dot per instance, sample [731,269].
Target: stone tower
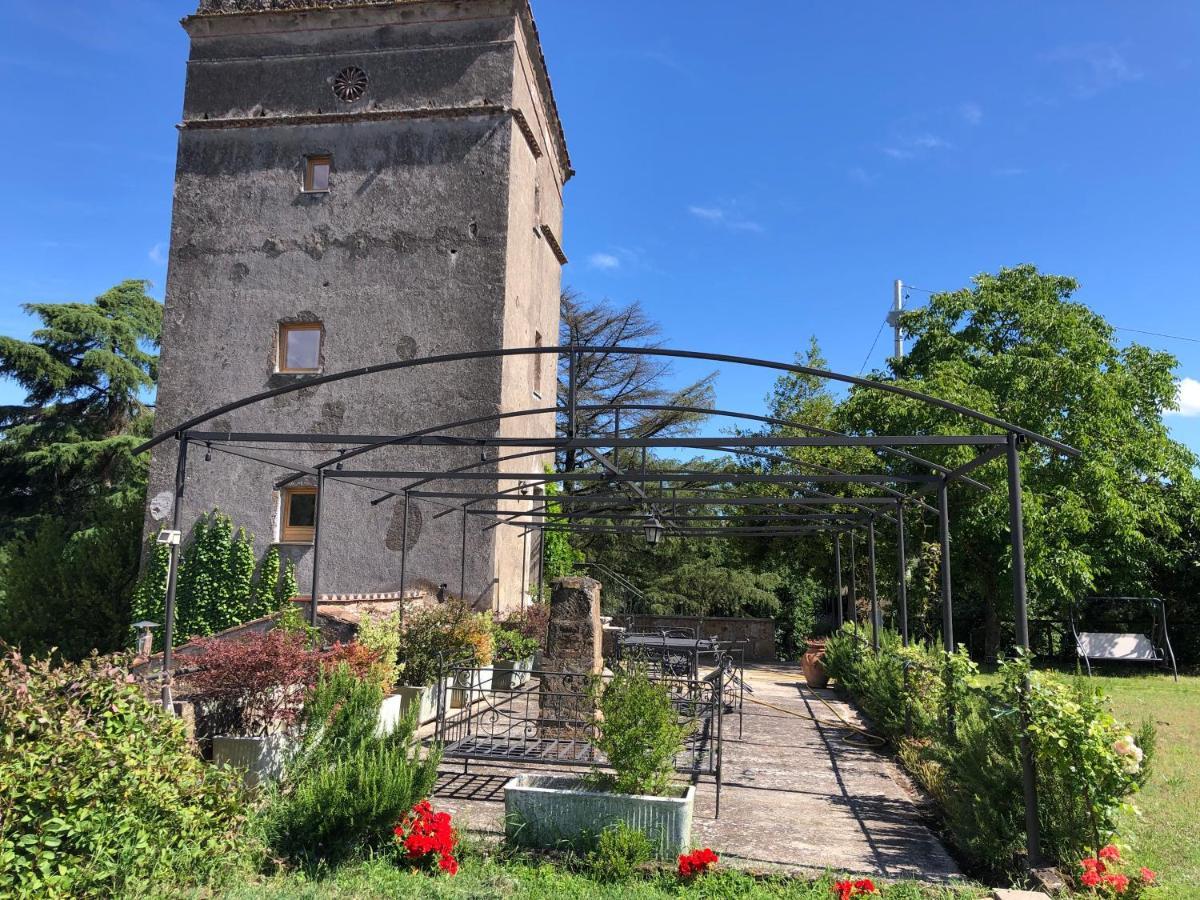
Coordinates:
[360,181]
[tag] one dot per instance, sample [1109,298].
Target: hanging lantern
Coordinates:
[654,531]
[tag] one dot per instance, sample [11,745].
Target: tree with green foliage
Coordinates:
[86,373]
[1015,345]
[71,520]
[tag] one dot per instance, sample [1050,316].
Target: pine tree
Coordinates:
[86,373]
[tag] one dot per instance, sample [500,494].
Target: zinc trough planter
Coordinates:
[396,705]
[470,683]
[261,758]
[556,810]
[510,674]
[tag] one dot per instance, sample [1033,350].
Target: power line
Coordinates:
[882,325]
[1174,337]
[1159,334]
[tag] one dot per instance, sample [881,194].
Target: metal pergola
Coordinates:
[606,498]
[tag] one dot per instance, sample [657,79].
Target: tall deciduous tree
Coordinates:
[1014,345]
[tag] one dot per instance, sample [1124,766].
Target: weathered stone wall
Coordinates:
[409,254]
[758,634]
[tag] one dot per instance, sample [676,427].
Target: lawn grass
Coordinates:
[482,878]
[1165,834]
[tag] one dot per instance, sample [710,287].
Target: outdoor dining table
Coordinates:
[693,647]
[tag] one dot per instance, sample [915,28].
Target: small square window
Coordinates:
[316,173]
[299,515]
[299,347]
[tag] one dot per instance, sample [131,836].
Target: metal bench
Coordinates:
[548,721]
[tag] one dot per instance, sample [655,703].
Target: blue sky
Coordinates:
[753,173]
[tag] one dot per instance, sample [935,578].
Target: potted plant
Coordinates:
[381,635]
[421,649]
[813,664]
[637,728]
[532,621]
[471,645]
[248,692]
[513,659]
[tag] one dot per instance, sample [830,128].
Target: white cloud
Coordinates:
[1093,68]
[1188,397]
[158,254]
[604,261]
[719,216]
[972,113]
[912,146]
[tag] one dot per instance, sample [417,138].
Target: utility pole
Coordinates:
[894,317]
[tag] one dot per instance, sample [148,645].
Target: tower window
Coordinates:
[299,515]
[316,173]
[299,347]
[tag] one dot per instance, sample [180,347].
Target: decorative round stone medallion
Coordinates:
[350,84]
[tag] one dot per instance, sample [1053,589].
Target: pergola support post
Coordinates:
[403,553]
[462,575]
[1033,847]
[316,563]
[173,579]
[854,581]
[873,585]
[839,602]
[947,598]
[902,573]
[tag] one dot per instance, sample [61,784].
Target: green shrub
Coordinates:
[381,635]
[620,850]
[512,645]
[219,583]
[639,732]
[449,633]
[976,777]
[101,791]
[347,786]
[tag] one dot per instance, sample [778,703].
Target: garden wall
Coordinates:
[758,634]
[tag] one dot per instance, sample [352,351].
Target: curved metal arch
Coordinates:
[825,374]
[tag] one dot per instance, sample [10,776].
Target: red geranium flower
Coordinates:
[1118,881]
[1109,852]
[845,890]
[1148,875]
[696,863]
[428,838]
[1092,864]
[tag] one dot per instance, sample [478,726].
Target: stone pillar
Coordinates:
[572,656]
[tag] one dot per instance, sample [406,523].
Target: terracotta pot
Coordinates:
[814,666]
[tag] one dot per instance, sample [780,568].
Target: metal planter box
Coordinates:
[469,686]
[510,674]
[396,705]
[260,758]
[553,810]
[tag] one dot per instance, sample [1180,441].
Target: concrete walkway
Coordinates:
[797,797]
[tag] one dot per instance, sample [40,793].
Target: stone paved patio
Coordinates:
[796,797]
